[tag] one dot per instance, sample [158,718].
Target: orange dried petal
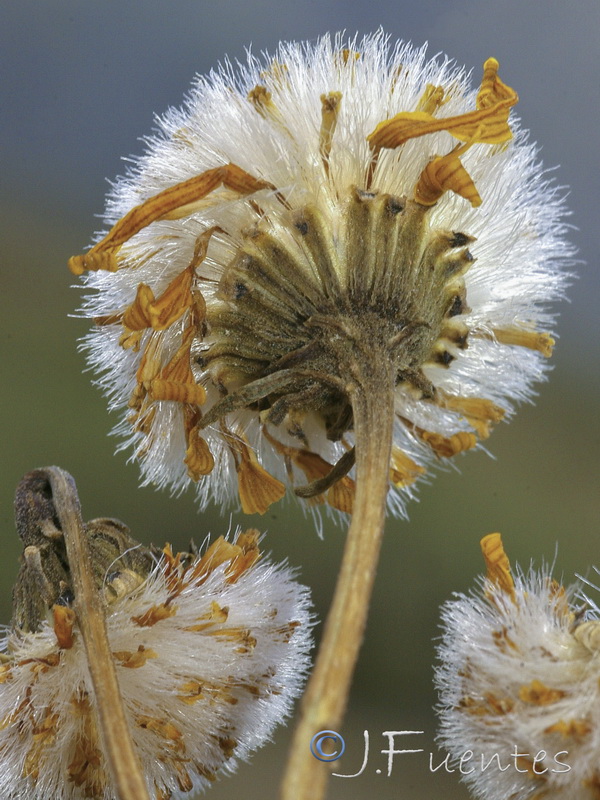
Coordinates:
[479,412]
[258,490]
[341,495]
[404,470]
[173,302]
[172,203]
[448,446]
[64,621]
[537,693]
[488,124]
[330,109]
[136,317]
[151,360]
[445,174]
[134,660]
[249,555]
[533,340]
[176,392]
[176,380]
[492,89]
[198,458]
[154,614]
[574,728]
[431,99]
[218,552]
[93,261]
[497,563]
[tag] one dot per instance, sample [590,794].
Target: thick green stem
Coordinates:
[325,700]
[122,760]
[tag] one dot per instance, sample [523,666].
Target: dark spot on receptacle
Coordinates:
[456,306]
[458,264]
[395,206]
[444,358]
[200,361]
[65,598]
[239,290]
[302,226]
[459,239]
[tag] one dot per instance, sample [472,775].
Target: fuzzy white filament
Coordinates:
[519,689]
[210,653]
[299,132]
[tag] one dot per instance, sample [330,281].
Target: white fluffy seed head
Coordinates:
[268,119]
[210,653]
[519,688]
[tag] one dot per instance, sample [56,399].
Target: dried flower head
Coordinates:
[298,221]
[520,685]
[210,649]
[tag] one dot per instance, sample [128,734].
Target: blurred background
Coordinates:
[80,84]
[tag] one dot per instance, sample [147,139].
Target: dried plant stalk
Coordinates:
[326,696]
[122,760]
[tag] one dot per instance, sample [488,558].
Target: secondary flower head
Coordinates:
[520,685]
[298,220]
[210,649]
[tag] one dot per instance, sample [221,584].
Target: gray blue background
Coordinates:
[80,84]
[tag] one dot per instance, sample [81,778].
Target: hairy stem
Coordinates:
[88,606]
[325,700]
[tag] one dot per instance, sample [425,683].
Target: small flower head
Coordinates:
[210,649]
[306,215]
[520,686]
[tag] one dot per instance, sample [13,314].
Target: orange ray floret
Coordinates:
[257,489]
[497,563]
[64,621]
[198,458]
[521,337]
[487,124]
[448,446]
[479,412]
[339,496]
[173,203]
[249,555]
[176,380]
[219,551]
[154,614]
[146,311]
[446,174]
[134,660]
[537,693]
[403,470]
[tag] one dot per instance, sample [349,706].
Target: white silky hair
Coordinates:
[496,652]
[245,691]
[521,256]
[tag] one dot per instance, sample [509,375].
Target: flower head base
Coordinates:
[520,686]
[292,224]
[210,650]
